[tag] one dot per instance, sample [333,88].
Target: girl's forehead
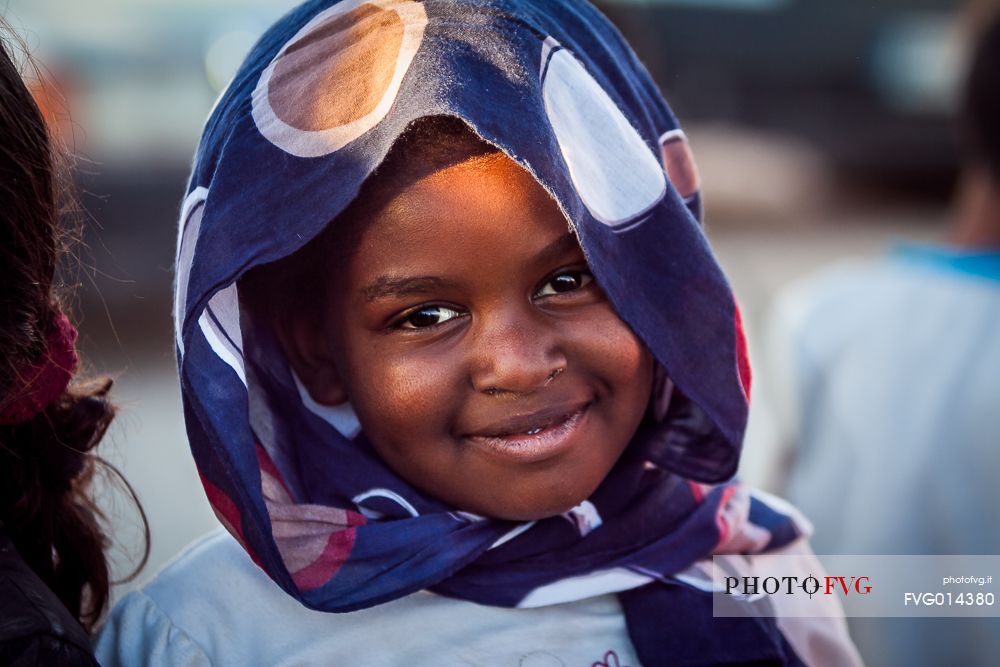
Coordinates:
[439,168]
[481,208]
[429,146]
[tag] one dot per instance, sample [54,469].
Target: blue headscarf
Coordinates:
[313,111]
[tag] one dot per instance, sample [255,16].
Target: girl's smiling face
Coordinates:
[484,363]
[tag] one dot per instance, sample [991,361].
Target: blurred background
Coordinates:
[822,128]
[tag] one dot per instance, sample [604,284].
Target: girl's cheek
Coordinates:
[409,388]
[610,342]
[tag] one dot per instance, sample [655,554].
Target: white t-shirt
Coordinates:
[213,606]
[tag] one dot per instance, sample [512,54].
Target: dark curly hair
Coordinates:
[46,462]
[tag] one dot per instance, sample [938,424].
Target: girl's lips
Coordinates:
[521,424]
[531,438]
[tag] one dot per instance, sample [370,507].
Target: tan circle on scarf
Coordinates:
[338,76]
[679,163]
[340,71]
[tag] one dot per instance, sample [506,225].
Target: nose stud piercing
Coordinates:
[493,391]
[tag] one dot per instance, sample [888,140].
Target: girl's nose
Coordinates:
[518,354]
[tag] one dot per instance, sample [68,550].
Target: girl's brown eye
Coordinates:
[567,281]
[427,316]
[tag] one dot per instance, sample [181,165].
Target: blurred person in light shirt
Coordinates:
[888,374]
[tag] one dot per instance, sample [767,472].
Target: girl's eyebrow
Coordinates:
[385,287]
[558,249]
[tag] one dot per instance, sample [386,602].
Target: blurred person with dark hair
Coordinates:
[54,580]
[978,225]
[892,393]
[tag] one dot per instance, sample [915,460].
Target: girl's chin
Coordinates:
[544,508]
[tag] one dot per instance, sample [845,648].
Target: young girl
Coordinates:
[53,571]
[457,361]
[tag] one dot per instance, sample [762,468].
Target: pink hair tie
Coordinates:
[41,383]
